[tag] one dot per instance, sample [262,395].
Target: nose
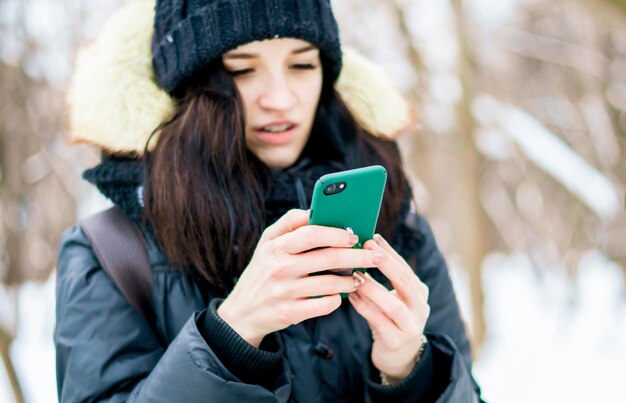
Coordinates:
[277,94]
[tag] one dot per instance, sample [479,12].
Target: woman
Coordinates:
[220,192]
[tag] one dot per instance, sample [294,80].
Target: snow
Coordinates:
[553,338]
[33,351]
[5,389]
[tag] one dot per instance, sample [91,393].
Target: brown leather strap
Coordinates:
[121,250]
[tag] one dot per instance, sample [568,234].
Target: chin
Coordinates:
[276,158]
[280,164]
[279,161]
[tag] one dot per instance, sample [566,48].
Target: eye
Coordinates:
[237,73]
[304,66]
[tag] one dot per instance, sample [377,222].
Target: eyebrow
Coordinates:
[253,56]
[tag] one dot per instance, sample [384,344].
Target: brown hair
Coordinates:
[204,190]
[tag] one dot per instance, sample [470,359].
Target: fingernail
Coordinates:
[378,239]
[357,283]
[353,239]
[377,258]
[358,276]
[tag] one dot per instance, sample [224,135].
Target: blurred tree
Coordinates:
[616,241]
[36,178]
[34,202]
[612,14]
[562,64]
[458,155]
[470,224]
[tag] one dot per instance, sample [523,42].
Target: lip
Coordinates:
[276,138]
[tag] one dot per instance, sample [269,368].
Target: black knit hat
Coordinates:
[190,34]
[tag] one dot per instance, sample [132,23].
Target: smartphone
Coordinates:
[351,200]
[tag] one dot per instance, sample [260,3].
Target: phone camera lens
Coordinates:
[330,188]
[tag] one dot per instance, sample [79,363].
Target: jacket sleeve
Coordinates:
[106,351]
[448,366]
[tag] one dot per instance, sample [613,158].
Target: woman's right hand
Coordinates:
[273,291]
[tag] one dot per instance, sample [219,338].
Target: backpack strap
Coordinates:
[121,250]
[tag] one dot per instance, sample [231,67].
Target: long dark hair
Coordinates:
[204,191]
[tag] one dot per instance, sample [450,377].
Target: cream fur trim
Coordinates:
[115,103]
[372,97]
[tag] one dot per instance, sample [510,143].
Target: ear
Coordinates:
[115,103]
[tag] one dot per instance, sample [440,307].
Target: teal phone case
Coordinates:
[355,207]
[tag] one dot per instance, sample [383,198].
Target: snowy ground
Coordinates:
[551,339]
[33,350]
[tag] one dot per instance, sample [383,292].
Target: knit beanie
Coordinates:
[190,34]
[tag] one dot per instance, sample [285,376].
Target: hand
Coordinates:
[274,290]
[397,317]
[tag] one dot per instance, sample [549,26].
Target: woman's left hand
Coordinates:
[397,317]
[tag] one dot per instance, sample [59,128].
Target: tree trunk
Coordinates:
[464,161]
[470,220]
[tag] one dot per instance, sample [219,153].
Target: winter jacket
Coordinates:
[106,351]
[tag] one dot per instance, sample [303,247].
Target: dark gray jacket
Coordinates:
[106,351]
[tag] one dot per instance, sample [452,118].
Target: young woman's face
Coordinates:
[280,81]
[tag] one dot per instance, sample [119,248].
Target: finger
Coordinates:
[423,295]
[409,287]
[316,236]
[388,303]
[327,284]
[335,258]
[376,319]
[290,221]
[382,242]
[308,308]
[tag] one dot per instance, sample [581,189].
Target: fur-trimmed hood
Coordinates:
[115,103]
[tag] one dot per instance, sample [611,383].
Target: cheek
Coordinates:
[311,94]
